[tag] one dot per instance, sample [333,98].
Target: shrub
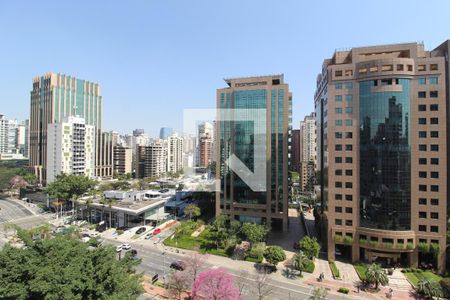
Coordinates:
[403,271]
[409,246]
[348,240]
[445,283]
[419,271]
[343,290]
[257,251]
[334,269]
[310,266]
[423,247]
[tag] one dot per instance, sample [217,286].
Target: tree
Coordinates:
[319,294]
[262,286]
[192,210]
[177,283]
[254,233]
[376,275]
[65,187]
[310,247]
[274,255]
[429,288]
[194,263]
[215,284]
[299,262]
[65,268]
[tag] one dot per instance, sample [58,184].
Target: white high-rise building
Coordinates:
[308,151]
[70,148]
[13,136]
[174,153]
[3,134]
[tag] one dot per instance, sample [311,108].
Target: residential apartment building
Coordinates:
[54,97]
[152,159]
[104,155]
[205,145]
[308,151]
[174,154]
[382,128]
[13,137]
[236,198]
[123,160]
[4,134]
[295,150]
[70,148]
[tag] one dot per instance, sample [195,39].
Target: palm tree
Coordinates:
[429,288]
[299,262]
[88,203]
[110,202]
[376,275]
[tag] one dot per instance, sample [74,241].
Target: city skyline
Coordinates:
[129,58]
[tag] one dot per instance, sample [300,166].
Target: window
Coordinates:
[434,161]
[422,228]
[434,228]
[349,210]
[422,187]
[348,185]
[338,197]
[348,172]
[348,135]
[434,174]
[338,98]
[374,239]
[400,67]
[434,134]
[434,201]
[349,85]
[348,223]
[421,67]
[422,134]
[433,94]
[348,147]
[338,85]
[421,81]
[338,209]
[422,174]
[338,147]
[338,172]
[410,68]
[422,147]
[434,107]
[349,122]
[339,110]
[338,160]
[422,201]
[422,94]
[348,98]
[434,188]
[349,110]
[433,67]
[422,107]
[400,241]
[434,147]
[338,122]
[338,184]
[349,197]
[338,73]
[338,222]
[338,135]
[386,81]
[422,121]
[348,160]
[434,121]
[433,80]
[434,215]
[387,67]
[422,214]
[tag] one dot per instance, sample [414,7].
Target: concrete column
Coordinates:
[413,259]
[331,248]
[355,253]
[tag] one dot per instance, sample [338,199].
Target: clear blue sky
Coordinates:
[155,58]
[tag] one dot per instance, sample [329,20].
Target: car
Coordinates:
[148,236]
[119,248]
[141,230]
[126,246]
[156,231]
[178,265]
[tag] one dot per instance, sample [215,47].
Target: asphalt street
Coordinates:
[154,262]
[13,212]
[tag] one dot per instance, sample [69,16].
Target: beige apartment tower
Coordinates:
[382,145]
[237,137]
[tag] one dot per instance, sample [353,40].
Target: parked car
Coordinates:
[126,246]
[119,248]
[148,236]
[156,231]
[178,265]
[140,230]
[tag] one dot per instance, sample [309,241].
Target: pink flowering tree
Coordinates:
[215,284]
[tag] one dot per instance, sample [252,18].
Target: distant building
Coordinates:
[307,176]
[308,151]
[70,148]
[295,150]
[104,156]
[13,137]
[123,160]
[152,159]
[205,145]
[165,132]
[174,153]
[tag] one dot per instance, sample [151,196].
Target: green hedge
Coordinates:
[361,270]
[310,266]
[343,290]
[334,269]
[257,260]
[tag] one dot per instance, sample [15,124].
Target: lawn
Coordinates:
[361,269]
[414,277]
